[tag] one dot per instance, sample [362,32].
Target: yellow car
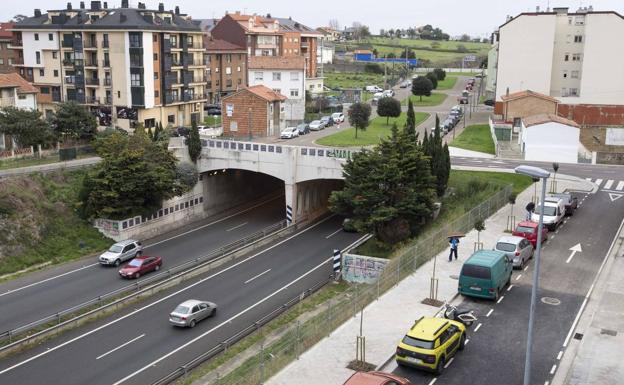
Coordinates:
[430,343]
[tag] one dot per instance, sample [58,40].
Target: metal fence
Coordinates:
[300,336]
[22,334]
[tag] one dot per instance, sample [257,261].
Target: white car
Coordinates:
[289,133]
[338,117]
[120,252]
[189,313]
[316,125]
[388,93]
[554,213]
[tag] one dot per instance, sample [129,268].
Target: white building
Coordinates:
[16,92]
[325,53]
[568,55]
[549,138]
[285,75]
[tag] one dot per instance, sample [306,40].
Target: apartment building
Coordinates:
[226,70]
[7,55]
[128,65]
[567,55]
[16,92]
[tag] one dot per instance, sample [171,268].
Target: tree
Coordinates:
[26,127]
[375,52]
[391,32]
[334,24]
[19,18]
[389,108]
[464,38]
[410,121]
[186,177]
[373,68]
[421,86]
[391,55]
[194,143]
[462,48]
[440,162]
[512,202]
[433,78]
[74,121]
[479,225]
[134,177]
[440,73]
[359,115]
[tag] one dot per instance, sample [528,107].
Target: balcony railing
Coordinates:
[92,100]
[16,43]
[90,44]
[172,99]
[18,61]
[92,82]
[108,100]
[136,63]
[67,44]
[105,43]
[195,45]
[105,63]
[176,63]
[70,79]
[108,82]
[136,44]
[91,63]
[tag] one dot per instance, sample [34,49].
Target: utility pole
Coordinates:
[385,73]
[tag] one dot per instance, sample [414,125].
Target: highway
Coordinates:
[44,293]
[496,342]
[138,345]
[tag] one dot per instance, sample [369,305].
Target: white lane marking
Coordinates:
[433,381]
[588,179]
[448,363]
[608,184]
[599,182]
[490,312]
[145,247]
[560,355]
[518,277]
[527,268]
[620,185]
[466,342]
[500,299]
[47,280]
[334,233]
[478,327]
[158,301]
[509,288]
[552,370]
[120,346]
[237,227]
[547,383]
[226,322]
[256,276]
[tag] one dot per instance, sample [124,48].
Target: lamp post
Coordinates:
[534,172]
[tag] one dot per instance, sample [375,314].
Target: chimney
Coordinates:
[177,10]
[37,12]
[122,17]
[507,91]
[124,4]
[82,6]
[96,5]
[161,7]
[69,6]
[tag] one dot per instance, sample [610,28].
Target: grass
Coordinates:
[475,138]
[352,79]
[435,99]
[26,162]
[373,133]
[211,121]
[448,83]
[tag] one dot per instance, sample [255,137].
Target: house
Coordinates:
[325,53]
[348,33]
[252,112]
[7,54]
[525,103]
[286,76]
[15,91]
[549,138]
[226,68]
[329,33]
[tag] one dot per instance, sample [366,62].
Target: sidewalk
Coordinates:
[456,151]
[386,320]
[50,166]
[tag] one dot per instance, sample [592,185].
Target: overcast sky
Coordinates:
[474,17]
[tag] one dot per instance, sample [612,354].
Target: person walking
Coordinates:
[530,208]
[453,241]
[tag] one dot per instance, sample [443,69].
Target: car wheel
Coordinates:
[117,262]
[192,324]
[462,342]
[440,367]
[138,253]
[137,275]
[157,268]
[522,264]
[496,294]
[213,312]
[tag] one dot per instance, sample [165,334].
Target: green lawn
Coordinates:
[475,138]
[376,130]
[211,121]
[26,162]
[352,80]
[448,83]
[435,99]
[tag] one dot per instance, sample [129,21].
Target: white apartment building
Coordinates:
[573,56]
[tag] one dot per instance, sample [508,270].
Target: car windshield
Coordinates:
[504,246]
[315,122]
[524,229]
[115,249]
[324,118]
[417,343]
[475,271]
[301,126]
[548,210]
[135,262]
[181,309]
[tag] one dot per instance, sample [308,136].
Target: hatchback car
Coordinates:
[518,249]
[303,129]
[140,266]
[189,313]
[316,125]
[338,117]
[328,121]
[120,252]
[528,230]
[289,133]
[430,343]
[376,378]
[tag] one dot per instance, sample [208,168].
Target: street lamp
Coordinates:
[539,173]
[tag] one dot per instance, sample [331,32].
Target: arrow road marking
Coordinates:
[574,249]
[614,197]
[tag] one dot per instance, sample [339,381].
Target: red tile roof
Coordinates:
[266,93]
[13,80]
[4,30]
[524,94]
[277,62]
[221,45]
[547,118]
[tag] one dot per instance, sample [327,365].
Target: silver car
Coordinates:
[317,125]
[190,312]
[519,250]
[120,252]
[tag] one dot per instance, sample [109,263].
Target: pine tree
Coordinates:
[410,121]
[194,143]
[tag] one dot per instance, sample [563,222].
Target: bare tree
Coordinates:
[333,23]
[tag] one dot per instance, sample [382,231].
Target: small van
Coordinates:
[485,274]
[554,213]
[373,89]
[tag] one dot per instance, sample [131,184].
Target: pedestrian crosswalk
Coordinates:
[609,184]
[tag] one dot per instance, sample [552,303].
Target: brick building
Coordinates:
[226,70]
[7,54]
[252,112]
[522,104]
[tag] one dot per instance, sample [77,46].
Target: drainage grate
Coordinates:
[608,332]
[578,336]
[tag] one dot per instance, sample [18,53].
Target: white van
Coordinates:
[554,213]
[373,89]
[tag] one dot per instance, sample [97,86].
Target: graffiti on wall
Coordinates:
[362,269]
[108,226]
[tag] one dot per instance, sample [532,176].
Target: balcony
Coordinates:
[90,44]
[136,44]
[105,44]
[56,97]
[175,46]
[108,82]
[92,82]
[70,80]
[73,62]
[136,64]
[91,63]
[18,61]
[195,46]
[176,62]
[106,63]
[305,44]
[67,44]
[108,99]
[92,100]
[16,43]
[170,99]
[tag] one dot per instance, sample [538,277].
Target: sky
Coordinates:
[478,18]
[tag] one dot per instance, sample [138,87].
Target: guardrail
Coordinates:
[101,302]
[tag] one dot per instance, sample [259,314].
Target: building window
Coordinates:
[294,92]
[135,40]
[41,72]
[45,90]
[278,90]
[54,55]
[37,36]
[228,58]
[294,76]
[156,94]
[155,75]
[573,91]
[150,123]
[38,57]
[56,74]
[576,57]
[171,119]
[1,61]
[565,74]
[296,50]
[217,69]
[238,69]
[21,97]
[155,56]
[566,57]
[154,37]
[228,70]
[569,21]
[228,83]
[277,76]
[578,38]
[50,37]
[258,76]
[574,74]
[135,80]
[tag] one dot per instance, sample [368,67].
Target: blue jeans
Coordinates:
[453,251]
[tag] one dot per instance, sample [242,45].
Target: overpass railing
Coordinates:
[242,146]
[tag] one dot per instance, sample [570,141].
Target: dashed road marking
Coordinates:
[490,312]
[449,363]
[527,268]
[433,381]
[518,277]
[552,370]
[560,355]
[598,182]
[500,299]
[334,233]
[509,288]
[620,186]
[477,328]
[608,184]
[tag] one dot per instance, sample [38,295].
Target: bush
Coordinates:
[373,68]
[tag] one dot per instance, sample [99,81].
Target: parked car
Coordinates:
[303,129]
[120,252]
[140,266]
[570,202]
[316,125]
[431,343]
[190,312]
[328,121]
[373,89]
[180,131]
[289,133]
[458,108]
[338,117]
[518,249]
[528,230]
[388,93]
[554,213]
[213,111]
[376,378]
[489,102]
[485,274]
[405,84]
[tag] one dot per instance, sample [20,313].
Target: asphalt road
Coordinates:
[39,295]
[496,348]
[139,346]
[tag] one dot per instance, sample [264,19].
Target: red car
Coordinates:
[376,378]
[140,265]
[528,230]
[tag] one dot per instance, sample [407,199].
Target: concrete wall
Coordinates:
[551,142]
